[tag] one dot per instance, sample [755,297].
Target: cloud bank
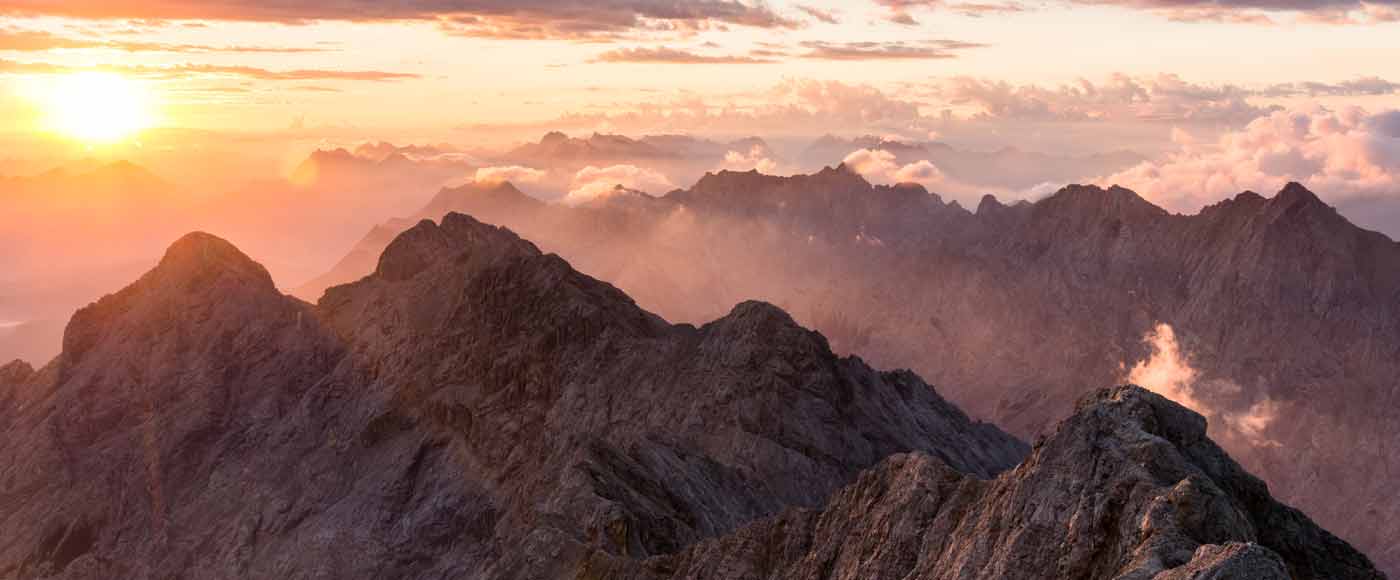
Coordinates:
[592,183]
[515,174]
[1346,156]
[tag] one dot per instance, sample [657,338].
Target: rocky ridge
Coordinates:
[1129,487]
[474,408]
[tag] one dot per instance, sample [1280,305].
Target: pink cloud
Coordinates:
[592,183]
[1345,155]
[515,174]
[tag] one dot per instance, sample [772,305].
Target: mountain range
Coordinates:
[1274,317]
[476,408]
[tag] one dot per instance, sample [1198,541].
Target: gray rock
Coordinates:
[473,409]
[1127,488]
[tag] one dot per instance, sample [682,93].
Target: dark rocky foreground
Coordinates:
[1129,487]
[477,409]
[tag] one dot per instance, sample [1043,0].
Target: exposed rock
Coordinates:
[1232,561]
[1127,488]
[474,408]
[15,373]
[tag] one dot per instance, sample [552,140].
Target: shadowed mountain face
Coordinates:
[1283,316]
[473,408]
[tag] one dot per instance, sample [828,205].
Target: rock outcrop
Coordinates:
[1129,487]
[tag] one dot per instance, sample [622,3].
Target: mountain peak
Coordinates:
[14,373]
[1294,193]
[840,169]
[989,203]
[911,187]
[458,235]
[202,286]
[757,312]
[199,256]
[1094,200]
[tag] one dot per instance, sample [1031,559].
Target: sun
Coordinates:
[97,107]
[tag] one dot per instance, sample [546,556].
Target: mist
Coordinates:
[1169,373]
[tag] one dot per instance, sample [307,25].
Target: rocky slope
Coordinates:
[1286,316]
[473,408]
[1129,487]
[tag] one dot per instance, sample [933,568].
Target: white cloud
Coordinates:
[1167,372]
[757,157]
[1345,155]
[593,182]
[880,166]
[513,173]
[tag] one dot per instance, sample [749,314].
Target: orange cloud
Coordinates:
[514,174]
[188,70]
[41,41]
[933,49]
[673,56]
[592,183]
[578,19]
[1348,155]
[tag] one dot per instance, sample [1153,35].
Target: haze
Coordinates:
[1019,200]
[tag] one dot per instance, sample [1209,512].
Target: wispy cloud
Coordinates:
[1348,155]
[188,70]
[1365,86]
[824,16]
[569,19]
[918,50]
[1229,11]
[673,56]
[901,11]
[18,40]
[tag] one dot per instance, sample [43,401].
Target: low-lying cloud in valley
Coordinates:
[1169,373]
[512,173]
[757,158]
[591,183]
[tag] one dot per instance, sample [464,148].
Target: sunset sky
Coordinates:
[1190,84]
[423,65]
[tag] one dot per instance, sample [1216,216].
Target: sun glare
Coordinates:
[97,107]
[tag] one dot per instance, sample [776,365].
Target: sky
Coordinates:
[1179,81]
[418,65]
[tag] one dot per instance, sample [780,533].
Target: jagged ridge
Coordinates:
[1127,488]
[473,408]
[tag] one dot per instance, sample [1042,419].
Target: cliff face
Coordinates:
[1128,487]
[473,408]
[1286,315]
